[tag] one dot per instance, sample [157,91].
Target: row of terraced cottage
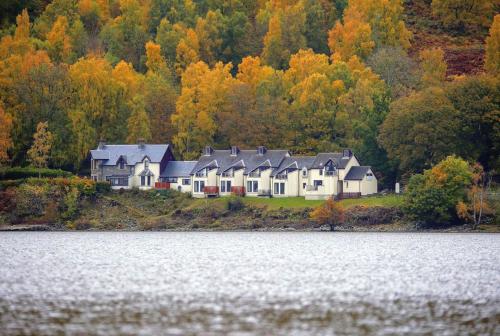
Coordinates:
[256,172]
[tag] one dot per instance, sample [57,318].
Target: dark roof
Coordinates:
[357,173]
[178,169]
[294,162]
[247,159]
[131,153]
[337,158]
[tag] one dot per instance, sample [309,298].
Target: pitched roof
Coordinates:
[178,169]
[337,158]
[133,153]
[297,162]
[248,159]
[357,173]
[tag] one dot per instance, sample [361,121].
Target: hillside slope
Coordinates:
[464,54]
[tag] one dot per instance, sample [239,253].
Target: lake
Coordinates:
[237,283]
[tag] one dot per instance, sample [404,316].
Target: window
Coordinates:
[146,163]
[121,164]
[143,180]
[304,172]
[252,186]
[279,188]
[225,186]
[317,183]
[118,181]
[186,181]
[321,171]
[94,164]
[170,179]
[369,176]
[199,186]
[149,180]
[304,185]
[347,184]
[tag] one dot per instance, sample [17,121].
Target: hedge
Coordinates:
[26,172]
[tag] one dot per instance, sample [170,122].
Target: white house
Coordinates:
[254,173]
[129,166]
[275,173]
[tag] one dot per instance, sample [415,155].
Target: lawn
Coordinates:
[300,202]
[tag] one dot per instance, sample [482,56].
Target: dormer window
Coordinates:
[234,150]
[261,150]
[146,163]
[121,164]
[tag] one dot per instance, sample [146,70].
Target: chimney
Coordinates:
[261,150]
[141,143]
[208,151]
[102,144]
[347,153]
[234,150]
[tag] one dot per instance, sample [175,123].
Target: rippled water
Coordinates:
[249,283]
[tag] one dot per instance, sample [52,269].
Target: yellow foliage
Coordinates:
[305,63]
[354,37]
[59,41]
[492,57]
[131,80]
[251,71]
[5,138]
[329,213]
[433,66]
[187,51]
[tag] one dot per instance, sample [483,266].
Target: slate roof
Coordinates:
[249,159]
[337,159]
[357,173]
[131,153]
[296,162]
[178,169]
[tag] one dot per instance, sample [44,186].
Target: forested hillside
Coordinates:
[403,83]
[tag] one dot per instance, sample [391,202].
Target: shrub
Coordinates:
[102,187]
[25,172]
[31,201]
[329,213]
[235,204]
[10,183]
[432,197]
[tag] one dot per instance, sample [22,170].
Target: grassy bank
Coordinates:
[301,203]
[76,204]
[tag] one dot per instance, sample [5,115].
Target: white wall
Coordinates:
[369,186]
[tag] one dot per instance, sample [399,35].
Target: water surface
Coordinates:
[193,283]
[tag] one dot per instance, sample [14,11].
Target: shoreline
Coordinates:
[381,228]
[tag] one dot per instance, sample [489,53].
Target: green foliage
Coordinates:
[431,198]
[235,204]
[21,173]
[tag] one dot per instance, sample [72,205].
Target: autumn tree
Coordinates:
[433,66]
[203,97]
[59,42]
[431,198]
[421,130]
[368,24]
[38,154]
[459,14]
[138,122]
[396,68]
[187,52]
[353,37]
[492,57]
[329,213]
[125,36]
[285,34]
[155,62]
[477,203]
[5,137]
